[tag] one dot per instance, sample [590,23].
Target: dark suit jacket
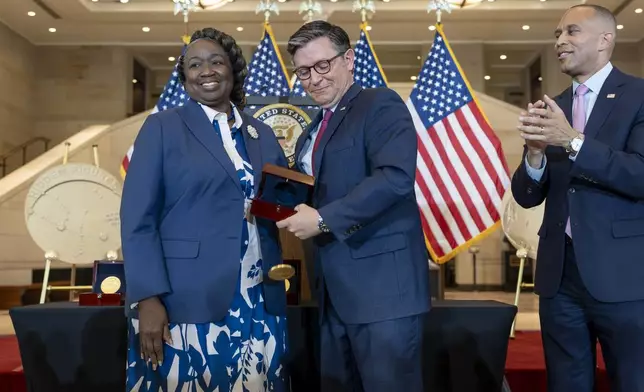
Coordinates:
[374,264]
[603,191]
[181,216]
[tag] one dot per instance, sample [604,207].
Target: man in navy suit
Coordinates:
[371,262]
[584,156]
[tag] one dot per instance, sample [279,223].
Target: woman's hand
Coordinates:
[153,330]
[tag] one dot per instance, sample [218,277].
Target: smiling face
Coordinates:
[584,42]
[208,72]
[330,74]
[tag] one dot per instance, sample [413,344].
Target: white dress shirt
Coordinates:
[594,84]
[307,150]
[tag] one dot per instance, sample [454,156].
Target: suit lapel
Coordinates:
[338,115]
[301,141]
[197,122]
[254,150]
[604,105]
[565,103]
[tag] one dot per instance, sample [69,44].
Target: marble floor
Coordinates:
[527,318]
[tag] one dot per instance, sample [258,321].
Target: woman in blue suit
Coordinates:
[203,314]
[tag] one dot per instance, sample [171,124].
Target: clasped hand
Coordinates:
[304,224]
[546,124]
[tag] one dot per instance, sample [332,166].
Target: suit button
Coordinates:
[529,191]
[560,224]
[571,190]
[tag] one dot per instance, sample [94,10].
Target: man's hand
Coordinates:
[536,149]
[304,224]
[153,330]
[547,125]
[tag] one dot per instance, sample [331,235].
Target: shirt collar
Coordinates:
[595,82]
[212,114]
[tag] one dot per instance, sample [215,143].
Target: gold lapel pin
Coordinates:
[610,96]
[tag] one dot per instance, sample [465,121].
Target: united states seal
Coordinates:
[288,122]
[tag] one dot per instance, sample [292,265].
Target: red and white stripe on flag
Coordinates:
[461,173]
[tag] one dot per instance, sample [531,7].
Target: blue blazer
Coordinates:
[181,216]
[374,263]
[603,191]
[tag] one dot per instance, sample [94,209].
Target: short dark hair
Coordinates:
[237,60]
[601,12]
[316,29]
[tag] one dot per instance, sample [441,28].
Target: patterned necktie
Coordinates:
[325,121]
[578,122]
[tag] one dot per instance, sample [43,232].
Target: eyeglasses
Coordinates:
[321,67]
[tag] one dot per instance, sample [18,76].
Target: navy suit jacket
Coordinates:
[374,263]
[602,190]
[181,216]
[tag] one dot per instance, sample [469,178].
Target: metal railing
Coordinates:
[20,149]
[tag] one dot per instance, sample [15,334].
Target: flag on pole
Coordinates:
[173,95]
[461,172]
[368,72]
[267,75]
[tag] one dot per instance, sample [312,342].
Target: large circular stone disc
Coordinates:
[73,210]
[521,225]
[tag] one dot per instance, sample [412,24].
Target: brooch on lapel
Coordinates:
[252,132]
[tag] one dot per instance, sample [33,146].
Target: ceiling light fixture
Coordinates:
[525,27]
[52,29]
[486,77]
[214,4]
[125,1]
[540,79]
[134,81]
[619,27]
[460,4]
[413,77]
[368,28]
[503,57]
[171,58]
[146,29]
[638,10]
[31,13]
[432,27]
[240,28]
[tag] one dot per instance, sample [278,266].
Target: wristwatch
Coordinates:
[322,226]
[574,145]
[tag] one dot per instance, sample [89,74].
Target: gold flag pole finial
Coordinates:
[366,7]
[439,6]
[310,8]
[267,6]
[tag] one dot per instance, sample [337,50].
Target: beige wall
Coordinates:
[81,86]
[57,91]
[17,78]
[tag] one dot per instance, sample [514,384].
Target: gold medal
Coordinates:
[110,285]
[281,272]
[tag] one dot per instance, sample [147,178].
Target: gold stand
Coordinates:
[52,255]
[522,254]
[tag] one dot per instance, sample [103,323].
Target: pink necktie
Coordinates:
[325,121]
[578,122]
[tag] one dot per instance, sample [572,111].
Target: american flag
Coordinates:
[368,72]
[461,172]
[267,75]
[173,95]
